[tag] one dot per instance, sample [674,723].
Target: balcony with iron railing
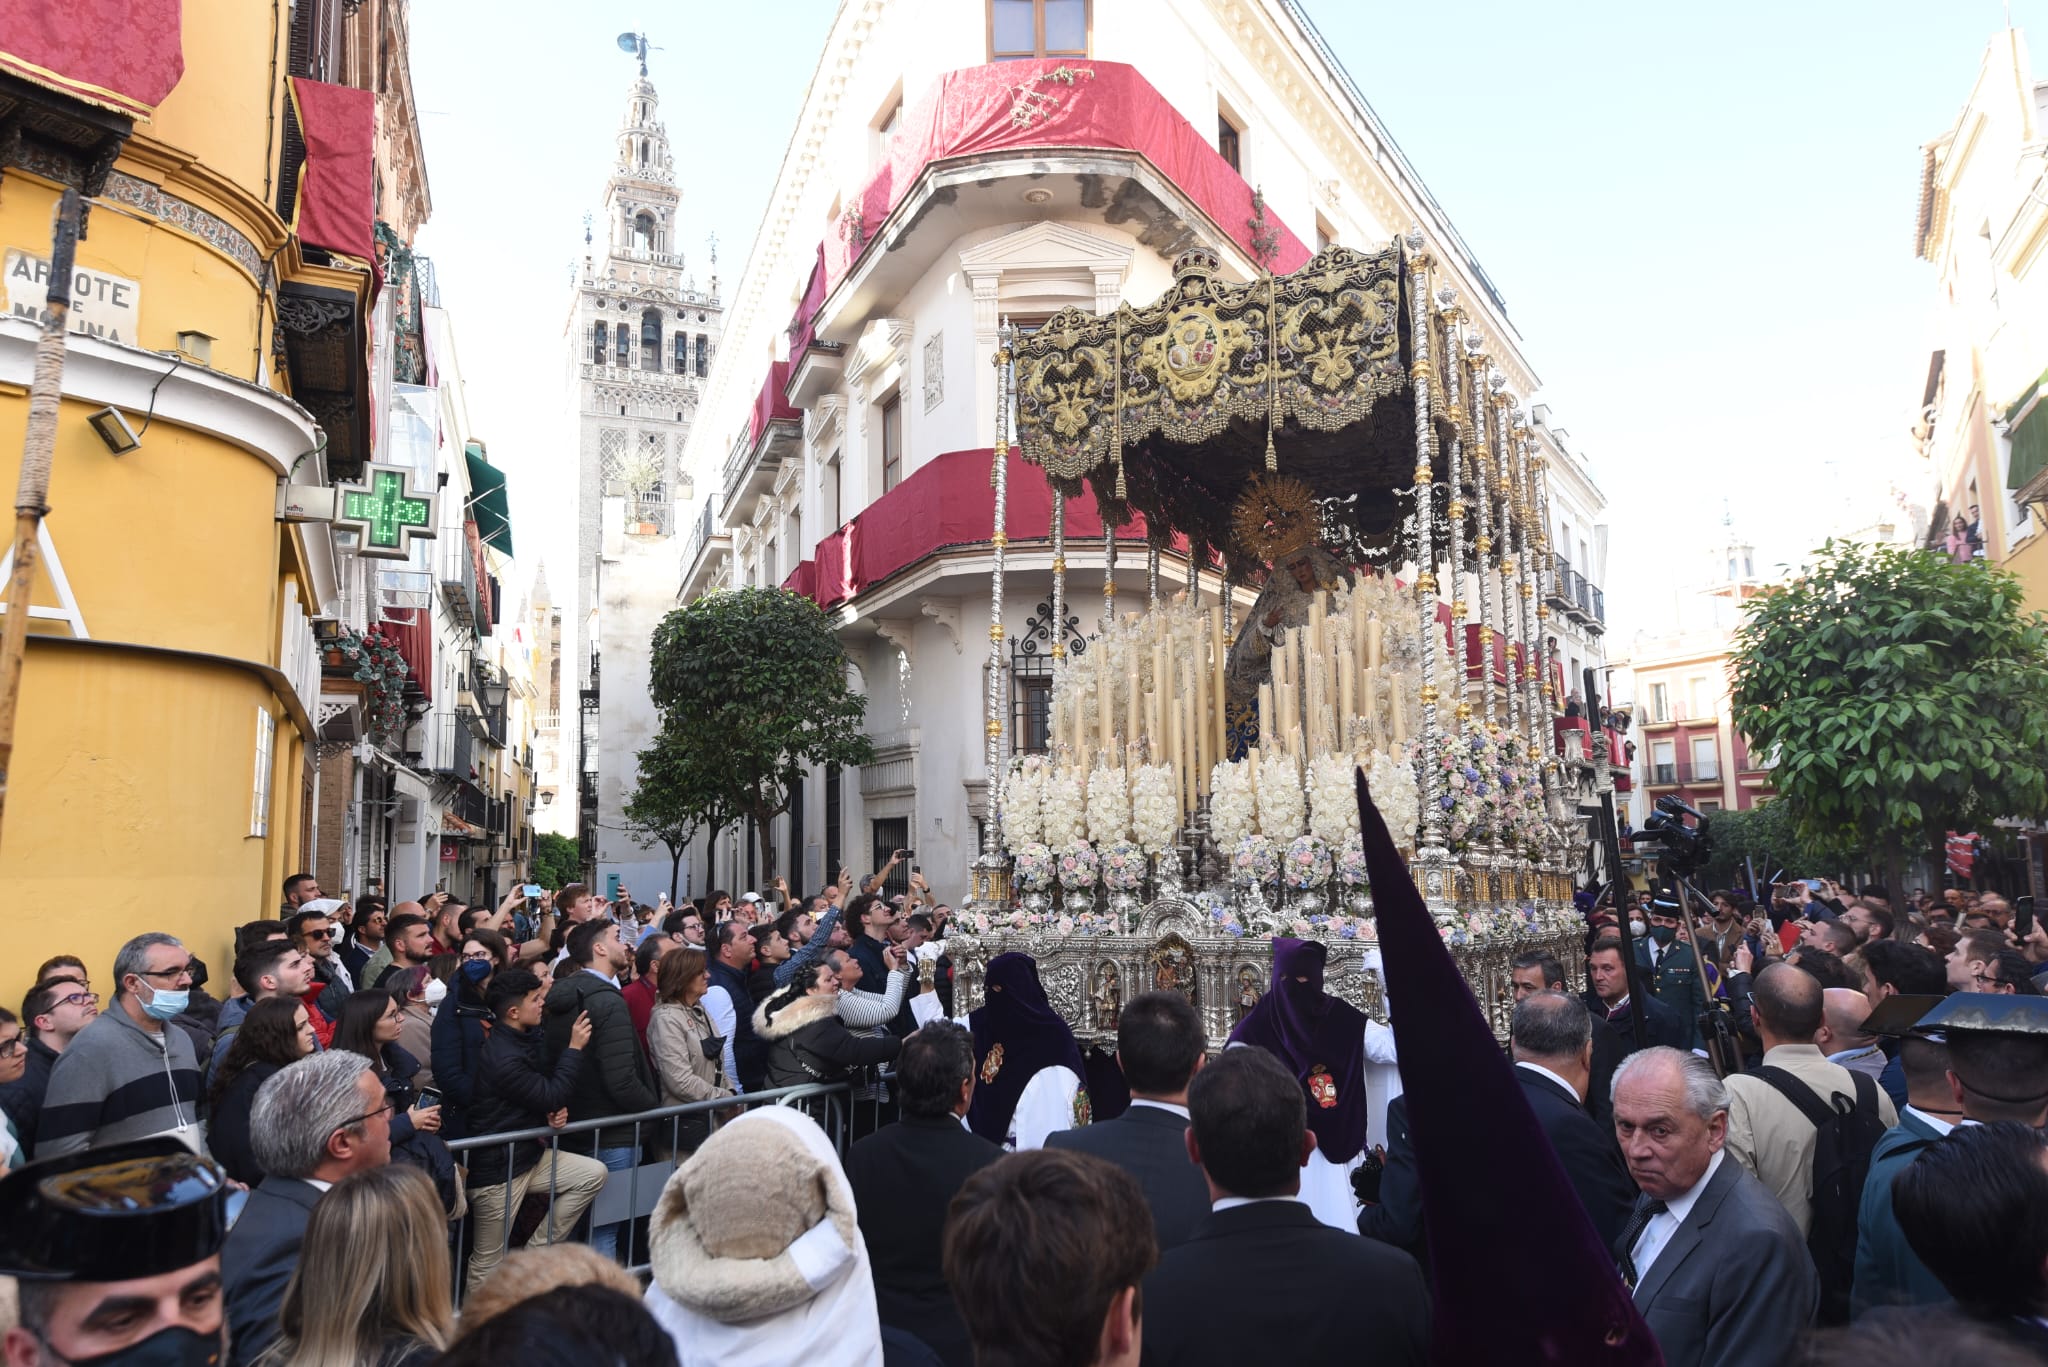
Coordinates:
[774,434]
[458,578]
[1685,773]
[1558,593]
[444,745]
[708,542]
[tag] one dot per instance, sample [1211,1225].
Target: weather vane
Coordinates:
[636,43]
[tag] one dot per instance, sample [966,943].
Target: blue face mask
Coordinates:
[164,1004]
[476,970]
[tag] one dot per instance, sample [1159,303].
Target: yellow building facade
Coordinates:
[1982,223]
[161,771]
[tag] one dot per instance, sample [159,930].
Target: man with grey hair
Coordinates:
[1552,1041]
[1719,1271]
[124,1076]
[314,1123]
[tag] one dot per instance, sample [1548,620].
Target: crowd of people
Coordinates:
[400,1135]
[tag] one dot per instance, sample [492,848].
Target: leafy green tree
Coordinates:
[557,859]
[670,803]
[1766,838]
[752,688]
[1905,696]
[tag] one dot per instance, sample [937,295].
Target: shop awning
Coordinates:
[487,501]
[2027,428]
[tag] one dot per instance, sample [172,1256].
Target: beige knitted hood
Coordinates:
[751,1223]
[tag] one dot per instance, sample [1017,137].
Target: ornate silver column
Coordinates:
[1151,569]
[1504,522]
[991,874]
[1482,546]
[1431,858]
[1455,513]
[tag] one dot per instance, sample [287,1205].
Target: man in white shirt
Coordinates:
[1719,1271]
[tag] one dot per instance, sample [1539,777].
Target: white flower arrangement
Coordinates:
[1022,824]
[1109,805]
[1231,814]
[1398,796]
[1333,801]
[1282,806]
[1155,816]
[1061,807]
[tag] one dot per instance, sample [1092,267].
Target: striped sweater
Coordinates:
[115,1082]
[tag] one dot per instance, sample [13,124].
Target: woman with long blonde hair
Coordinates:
[372,1288]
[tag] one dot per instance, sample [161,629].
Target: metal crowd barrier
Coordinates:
[845,1110]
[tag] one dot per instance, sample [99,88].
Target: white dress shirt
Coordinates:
[1232,1202]
[1180,1111]
[1657,1234]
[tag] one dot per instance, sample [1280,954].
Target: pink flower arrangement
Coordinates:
[1034,867]
[1123,867]
[1350,863]
[1306,864]
[1077,865]
[1256,860]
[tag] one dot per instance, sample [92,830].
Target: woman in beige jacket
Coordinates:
[688,1056]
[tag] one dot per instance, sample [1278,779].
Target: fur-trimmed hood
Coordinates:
[793,1017]
[756,1251]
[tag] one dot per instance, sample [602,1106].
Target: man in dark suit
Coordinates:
[1394,1215]
[1719,1271]
[1248,1129]
[1552,1044]
[1160,1045]
[314,1123]
[1539,971]
[904,1176]
[1612,985]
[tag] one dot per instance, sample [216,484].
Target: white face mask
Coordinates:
[1636,929]
[436,990]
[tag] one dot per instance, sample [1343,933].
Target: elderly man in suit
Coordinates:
[1344,1296]
[904,1176]
[1160,1045]
[317,1121]
[1552,1044]
[1719,1271]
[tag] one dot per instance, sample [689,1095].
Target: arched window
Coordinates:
[643,223]
[703,355]
[598,351]
[625,341]
[643,151]
[650,339]
[682,353]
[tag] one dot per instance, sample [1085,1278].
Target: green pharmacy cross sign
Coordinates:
[384,514]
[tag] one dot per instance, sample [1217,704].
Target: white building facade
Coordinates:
[640,340]
[843,440]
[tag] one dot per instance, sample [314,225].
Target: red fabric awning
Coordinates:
[770,405]
[807,308]
[415,643]
[945,502]
[123,55]
[337,206]
[1055,102]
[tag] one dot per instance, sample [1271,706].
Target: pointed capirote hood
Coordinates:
[1520,1274]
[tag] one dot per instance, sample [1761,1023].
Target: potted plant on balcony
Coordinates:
[382,671]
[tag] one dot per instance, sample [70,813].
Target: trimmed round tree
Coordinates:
[1904,696]
[752,689]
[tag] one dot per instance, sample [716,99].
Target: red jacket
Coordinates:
[639,995]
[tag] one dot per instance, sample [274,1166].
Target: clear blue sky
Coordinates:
[1701,217]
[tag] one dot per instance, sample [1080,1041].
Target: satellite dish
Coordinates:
[629,42]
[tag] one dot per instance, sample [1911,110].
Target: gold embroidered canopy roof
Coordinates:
[1172,409]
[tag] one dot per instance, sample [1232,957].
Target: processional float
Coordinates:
[1338,440]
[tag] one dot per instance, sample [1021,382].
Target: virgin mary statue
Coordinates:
[1276,520]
